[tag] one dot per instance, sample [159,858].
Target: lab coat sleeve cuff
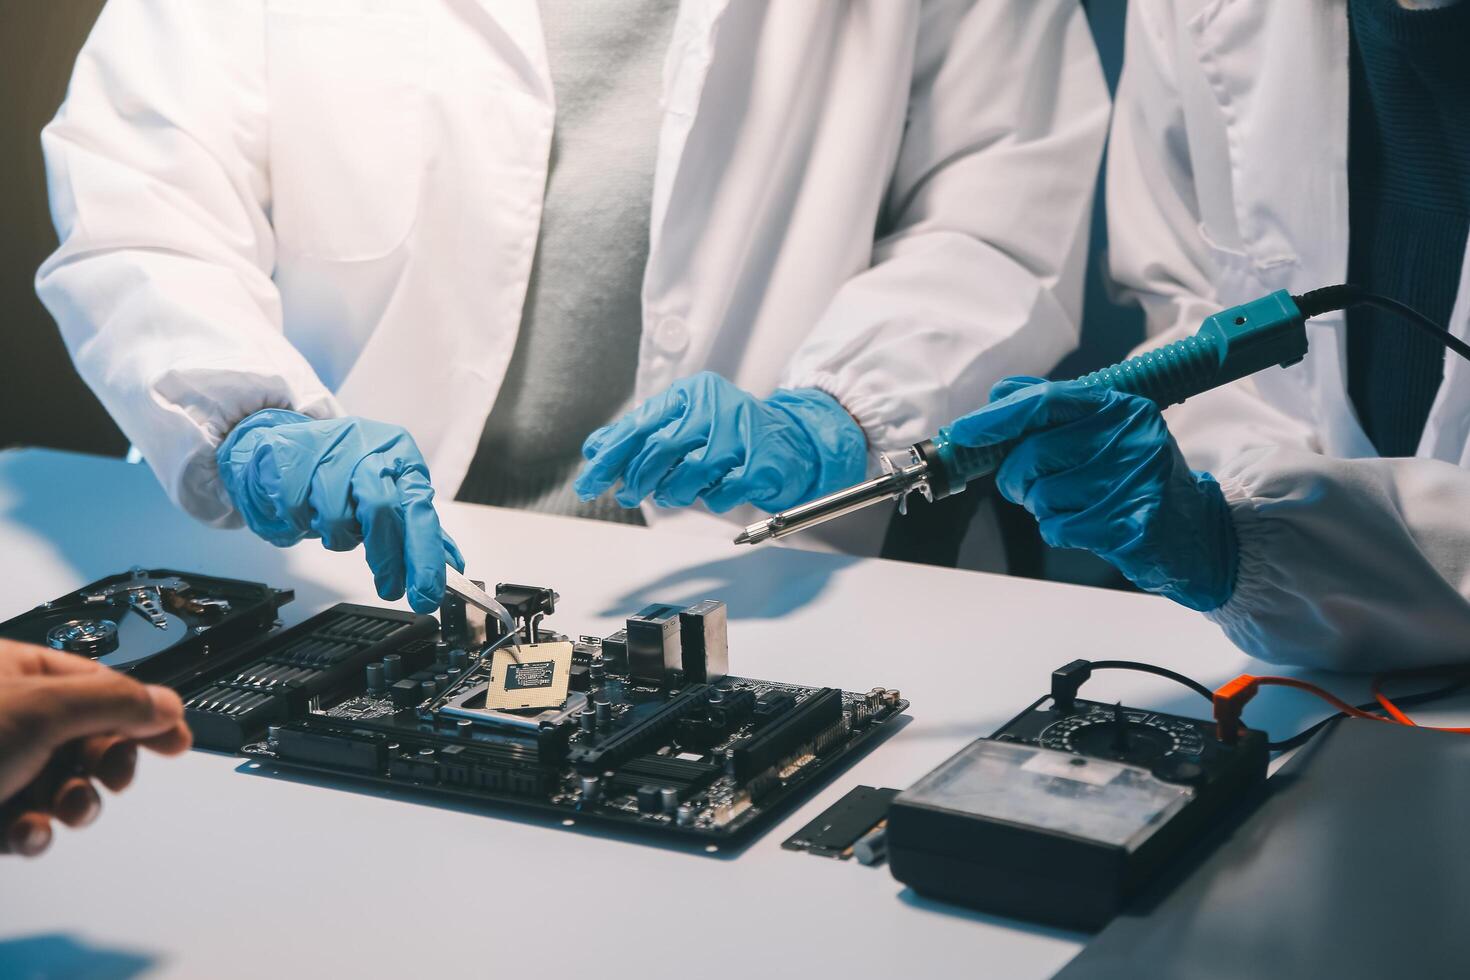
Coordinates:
[199,490]
[1253,570]
[866,412]
[1347,564]
[1267,615]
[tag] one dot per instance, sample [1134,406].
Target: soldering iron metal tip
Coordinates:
[756,533]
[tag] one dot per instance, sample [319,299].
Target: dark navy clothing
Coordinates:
[1408,205]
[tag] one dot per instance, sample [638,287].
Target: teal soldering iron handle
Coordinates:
[1229,345]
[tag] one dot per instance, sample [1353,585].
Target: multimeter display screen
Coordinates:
[1092,799]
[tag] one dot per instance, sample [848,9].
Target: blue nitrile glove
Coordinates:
[1099,470]
[705,439]
[345,481]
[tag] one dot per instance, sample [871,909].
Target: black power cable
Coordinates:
[1164,672]
[1331,298]
[1423,697]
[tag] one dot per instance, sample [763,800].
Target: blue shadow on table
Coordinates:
[767,583]
[64,955]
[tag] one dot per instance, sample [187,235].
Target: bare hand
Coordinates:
[66,721]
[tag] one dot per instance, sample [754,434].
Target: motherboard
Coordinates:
[652,733]
[644,729]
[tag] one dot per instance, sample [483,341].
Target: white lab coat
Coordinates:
[1227,180]
[332,206]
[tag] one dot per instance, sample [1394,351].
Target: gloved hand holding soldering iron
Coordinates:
[1099,470]
[1096,466]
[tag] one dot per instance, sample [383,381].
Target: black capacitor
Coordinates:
[458,658]
[597,670]
[427,689]
[603,707]
[376,682]
[587,718]
[392,668]
[441,681]
[441,653]
[650,799]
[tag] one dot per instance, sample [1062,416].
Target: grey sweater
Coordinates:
[577,350]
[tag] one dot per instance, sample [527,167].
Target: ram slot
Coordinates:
[787,736]
[639,737]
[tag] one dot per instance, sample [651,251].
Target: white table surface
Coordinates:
[205,868]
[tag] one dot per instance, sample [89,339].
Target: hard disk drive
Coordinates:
[155,624]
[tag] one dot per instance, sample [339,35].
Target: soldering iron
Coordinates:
[1228,346]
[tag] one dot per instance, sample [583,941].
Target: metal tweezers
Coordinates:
[470,592]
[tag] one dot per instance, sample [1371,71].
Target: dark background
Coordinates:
[44,403]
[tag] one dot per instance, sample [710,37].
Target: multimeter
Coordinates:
[1068,809]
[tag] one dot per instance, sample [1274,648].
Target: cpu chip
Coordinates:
[535,676]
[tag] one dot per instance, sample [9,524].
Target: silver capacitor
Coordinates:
[669,800]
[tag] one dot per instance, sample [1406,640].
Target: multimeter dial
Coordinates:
[1137,737]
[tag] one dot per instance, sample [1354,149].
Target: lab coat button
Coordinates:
[672,335]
